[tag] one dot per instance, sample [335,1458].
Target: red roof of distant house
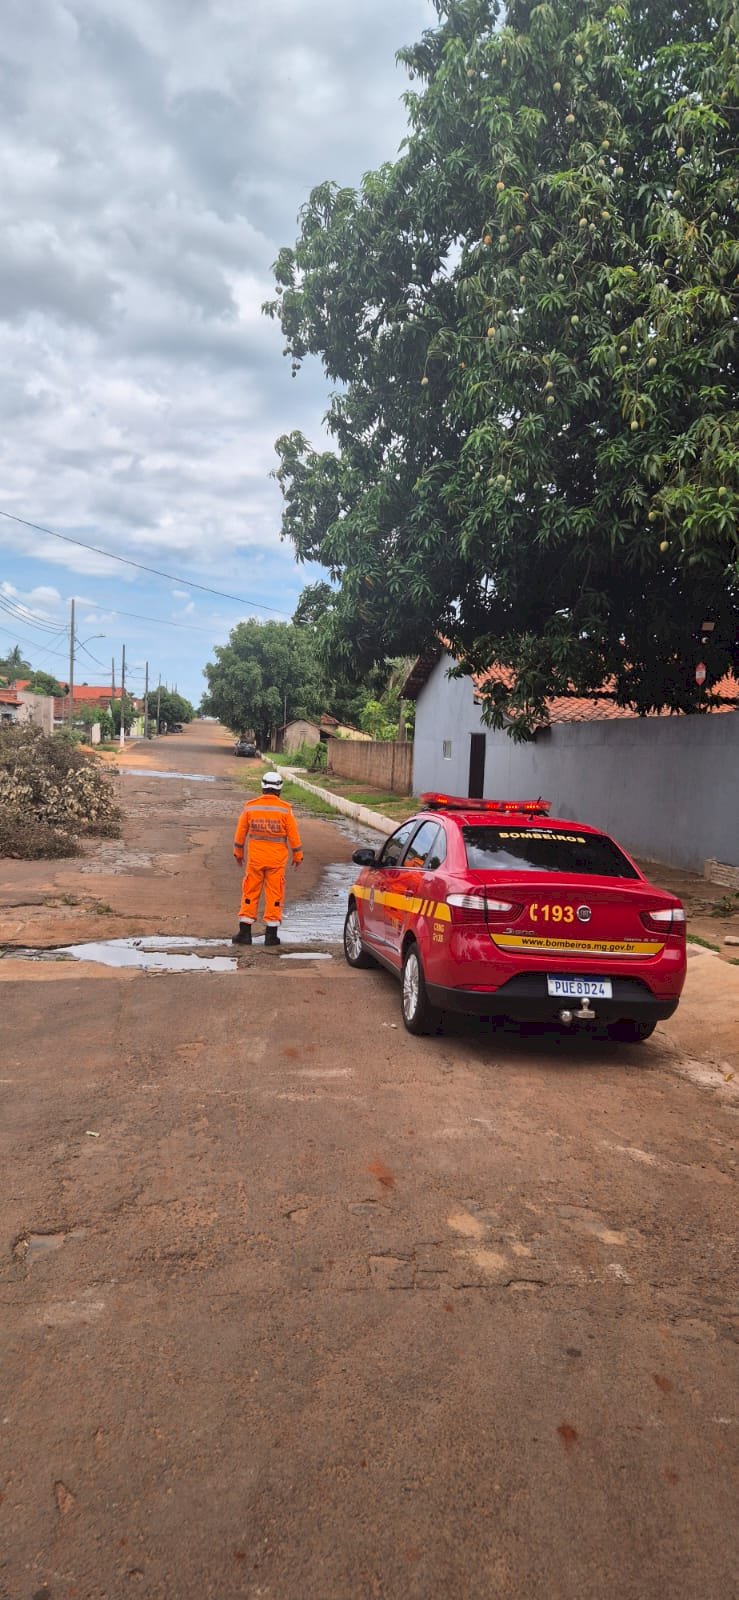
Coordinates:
[89,694]
[8,697]
[21,683]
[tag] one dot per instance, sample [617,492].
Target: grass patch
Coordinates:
[292,792]
[706,943]
[726,906]
[395,806]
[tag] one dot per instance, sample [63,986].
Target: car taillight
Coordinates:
[670,920]
[467,908]
[501,910]
[476,908]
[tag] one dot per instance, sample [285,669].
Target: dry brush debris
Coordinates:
[51,796]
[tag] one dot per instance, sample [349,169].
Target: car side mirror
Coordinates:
[364,858]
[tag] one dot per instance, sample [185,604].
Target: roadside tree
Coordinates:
[46,683]
[531,320]
[172,707]
[266,669]
[14,665]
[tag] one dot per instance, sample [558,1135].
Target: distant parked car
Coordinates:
[245,747]
[177,727]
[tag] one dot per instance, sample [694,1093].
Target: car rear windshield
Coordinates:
[494,849]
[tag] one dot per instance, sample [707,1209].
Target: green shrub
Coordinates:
[311,756]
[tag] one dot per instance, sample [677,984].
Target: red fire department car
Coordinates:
[495,908]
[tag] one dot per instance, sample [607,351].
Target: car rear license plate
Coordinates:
[580,988]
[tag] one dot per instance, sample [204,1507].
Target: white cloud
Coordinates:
[155,154]
[153,158]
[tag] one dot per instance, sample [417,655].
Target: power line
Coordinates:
[30,619]
[33,620]
[33,643]
[190,627]
[140,565]
[81,646]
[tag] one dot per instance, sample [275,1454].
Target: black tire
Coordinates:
[628,1031]
[419,1016]
[354,949]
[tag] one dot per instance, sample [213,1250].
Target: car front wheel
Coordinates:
[628,1031]
[354,949]
[419,1015]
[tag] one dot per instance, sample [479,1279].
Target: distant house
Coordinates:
[85,694]
[666,785]
[9,705]
[18,706]
[331,728]
[294,734]
[302,731]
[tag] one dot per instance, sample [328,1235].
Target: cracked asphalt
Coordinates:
[294,1305]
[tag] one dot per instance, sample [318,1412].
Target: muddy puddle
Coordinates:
[152,954]
[320,919]
[154,772]
[34,1246]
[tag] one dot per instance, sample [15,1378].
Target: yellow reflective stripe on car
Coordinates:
[586,947]
[438,909]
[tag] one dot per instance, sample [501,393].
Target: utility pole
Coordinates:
[159,698]
[146,703]
[71,664]
[123,691]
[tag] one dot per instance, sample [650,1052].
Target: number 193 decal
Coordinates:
[551,913]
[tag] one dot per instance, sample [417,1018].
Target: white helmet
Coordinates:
[272,780]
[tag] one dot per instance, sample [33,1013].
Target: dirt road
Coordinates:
[294,1305]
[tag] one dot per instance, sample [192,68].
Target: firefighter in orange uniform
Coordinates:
[269,826]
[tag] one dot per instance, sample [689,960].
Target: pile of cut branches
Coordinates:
[51,796]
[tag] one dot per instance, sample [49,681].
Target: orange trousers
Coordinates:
[260,878]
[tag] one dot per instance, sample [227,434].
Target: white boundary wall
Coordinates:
[667,787]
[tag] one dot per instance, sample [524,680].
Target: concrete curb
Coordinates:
[369,819]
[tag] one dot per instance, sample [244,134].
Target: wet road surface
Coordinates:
[296,1305]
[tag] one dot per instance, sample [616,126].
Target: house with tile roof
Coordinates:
[86,694]
[666,784]
[18,705]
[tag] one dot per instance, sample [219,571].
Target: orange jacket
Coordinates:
[270,827]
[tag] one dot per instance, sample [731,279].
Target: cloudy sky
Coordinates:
[153,157]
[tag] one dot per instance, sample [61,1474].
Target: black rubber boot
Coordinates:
[271,937]
[244,934]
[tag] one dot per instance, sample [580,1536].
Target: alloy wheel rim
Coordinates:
[353,936]
[411,987]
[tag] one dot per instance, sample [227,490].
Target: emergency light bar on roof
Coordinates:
[453,802]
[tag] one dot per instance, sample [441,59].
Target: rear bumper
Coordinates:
[525,999]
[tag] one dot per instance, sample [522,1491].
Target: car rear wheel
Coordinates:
[630,1032]
[419,1015]
[354,949]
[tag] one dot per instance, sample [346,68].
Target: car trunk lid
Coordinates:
[561,916]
